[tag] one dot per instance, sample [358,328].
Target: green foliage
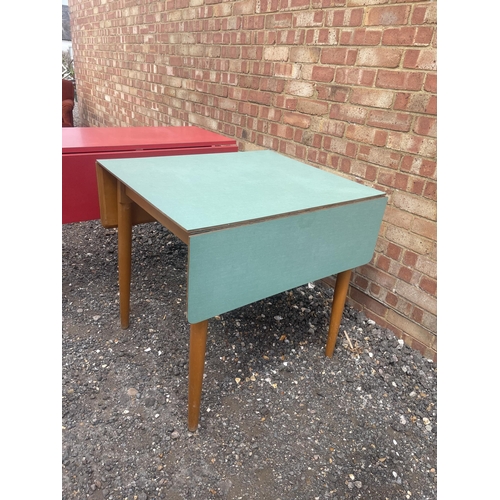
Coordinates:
[68,71]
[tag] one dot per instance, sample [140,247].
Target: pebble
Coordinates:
[289,406]
[132,392]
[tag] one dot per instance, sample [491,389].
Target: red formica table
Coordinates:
[83,146]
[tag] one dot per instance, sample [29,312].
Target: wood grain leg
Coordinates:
[198,342]
[124,253]
[339,296]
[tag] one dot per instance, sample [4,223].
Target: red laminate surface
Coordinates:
[89,139]
[83,146]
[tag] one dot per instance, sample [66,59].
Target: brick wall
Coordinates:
[347,85]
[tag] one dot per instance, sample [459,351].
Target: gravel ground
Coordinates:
[279,420]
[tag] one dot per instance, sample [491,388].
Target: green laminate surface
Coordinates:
[232,267]
[211,190]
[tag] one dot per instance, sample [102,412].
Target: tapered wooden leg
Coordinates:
[124,254]
[339,296]
[197,346]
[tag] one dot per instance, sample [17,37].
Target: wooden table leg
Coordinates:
[124,253]
[198,343]
[339,296]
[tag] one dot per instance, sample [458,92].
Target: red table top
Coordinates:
[94,139]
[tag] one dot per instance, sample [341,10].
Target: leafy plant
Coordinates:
[68,71]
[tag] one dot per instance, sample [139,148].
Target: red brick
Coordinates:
[251,52]
[324,4]
[405,274]
[333,93]
[360,36]
[416,185]
[394,179]
[308,18]
[348,113]
[338,55]
[300,88]
[375,290]
[417,314]
[231,52]
[391,299]
[248,109]
[243,7]
[321,157]
[404,80]
[330,127]
[429,285]
[294,4]
[297,120]
[286,102]
[408,35]
[262,68]
[416,144]
[281,130]
[430,84]
[372,97]
[380,57]
[393,251]
[339,162]
[305,54]
[361,282]
[249,82]
[272,85]
[390,120]
[432,107]
[291,37]
[344,17]
[387,16]
[396,217]
[430,190]
[379,156]
[370,173]
[355,76]
[298,136]
[281,20]
[425,14]
[276,53]
[371,304]
[425,125]
[252,23]
[319,36]
[340,146]
[363,171]
[420,59]
[285,70]
[269,113]
[314,140]
[417,103]
[383,262]
[269,6]
[367,135]
[312,107]
[413,205]
[267,141]
[300,152]
[323,74]
[424,228]
[260,97]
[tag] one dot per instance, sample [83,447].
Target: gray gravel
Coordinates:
[279,420]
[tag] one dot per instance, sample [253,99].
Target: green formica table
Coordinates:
[256,224]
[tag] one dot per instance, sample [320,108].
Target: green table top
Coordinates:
[200,192]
